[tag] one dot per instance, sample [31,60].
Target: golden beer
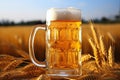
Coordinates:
[64,45]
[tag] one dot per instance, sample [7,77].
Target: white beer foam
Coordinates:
[63,14]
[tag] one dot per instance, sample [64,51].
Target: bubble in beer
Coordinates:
[63,14]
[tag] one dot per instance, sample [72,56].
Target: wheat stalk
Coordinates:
[96,53]
[13,65]
[99,49]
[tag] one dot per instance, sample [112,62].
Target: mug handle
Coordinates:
[31,47]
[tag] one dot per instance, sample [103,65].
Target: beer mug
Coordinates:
[63,43]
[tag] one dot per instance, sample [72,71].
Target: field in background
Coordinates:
[18,37]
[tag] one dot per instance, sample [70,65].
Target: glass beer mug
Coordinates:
[63,43]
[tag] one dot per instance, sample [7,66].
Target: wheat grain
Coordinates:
[99,44]
[90,77]
[103,52]
[94,33]
[86,58]
[32,67]
[96,53]
[32,70]
[90,67]
[19,75]
[3,64]
[10,75]
[13,65]
[6,57]
[33,73]
[102,46]
[96,47]
[110,56]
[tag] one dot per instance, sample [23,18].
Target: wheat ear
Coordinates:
[94,33]
[11,75]
[3,64]
[33,73]
[6,58]
[32,67]
[102,46]
[96,53]
[20,75]
[86,58]
[90,77]
[103,53]
[13,65]
[110,56]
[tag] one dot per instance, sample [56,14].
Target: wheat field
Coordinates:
[100,49]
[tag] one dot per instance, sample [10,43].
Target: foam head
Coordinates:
[63,14]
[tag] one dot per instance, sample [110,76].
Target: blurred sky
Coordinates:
[18,10]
